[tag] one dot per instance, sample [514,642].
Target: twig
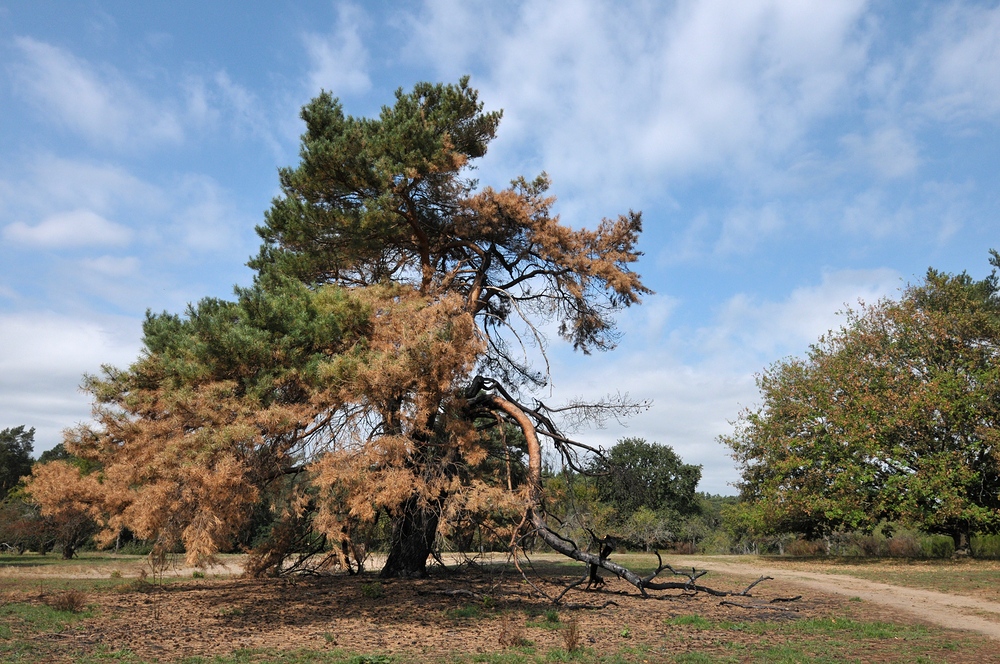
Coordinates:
[746,591]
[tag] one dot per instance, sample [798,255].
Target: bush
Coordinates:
[73,601]
[938,546]
[873,546]
[985,546]
[804,547]
[904,546]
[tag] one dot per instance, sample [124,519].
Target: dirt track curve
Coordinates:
[952,611]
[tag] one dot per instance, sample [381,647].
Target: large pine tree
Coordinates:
[376,365]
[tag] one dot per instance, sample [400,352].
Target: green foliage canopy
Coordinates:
[16,446]
[637,474]
[892,418]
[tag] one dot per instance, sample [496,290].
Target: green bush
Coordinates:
[937,546]
[985,546]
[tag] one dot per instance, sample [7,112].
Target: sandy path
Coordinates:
[952,611]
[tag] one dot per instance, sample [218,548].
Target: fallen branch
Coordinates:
[590,607]
[489,395]
[746,591]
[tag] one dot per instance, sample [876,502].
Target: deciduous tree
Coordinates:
[894,417]
[16,446]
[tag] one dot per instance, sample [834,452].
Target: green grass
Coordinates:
[465,612]
[21,622]
[548,619]
[372,590]
[696,622]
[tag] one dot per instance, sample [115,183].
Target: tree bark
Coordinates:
[413,532]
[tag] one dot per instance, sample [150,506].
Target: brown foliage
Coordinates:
[345,384]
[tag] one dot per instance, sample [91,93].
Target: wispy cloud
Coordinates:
[624,100]
[97,103]
[339,60]
[698,380]
[111,266]
[69,229]
[965,66]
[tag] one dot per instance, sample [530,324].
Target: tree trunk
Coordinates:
[413,532]
[961,539]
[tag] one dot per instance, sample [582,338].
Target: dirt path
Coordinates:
[952,611]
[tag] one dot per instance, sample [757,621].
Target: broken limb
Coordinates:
[492,398]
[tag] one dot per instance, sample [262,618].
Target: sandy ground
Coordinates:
[945,610]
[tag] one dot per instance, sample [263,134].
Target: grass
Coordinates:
[20,622]
[466,612]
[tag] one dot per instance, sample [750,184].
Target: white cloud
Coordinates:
[205,220]
[112,266]
[766,331]
[339,61]
[69,229]
[965,67]
[699,380]
[615,101]
[888,153]
[42,361]
[743,230]
[98,104]
[56,183]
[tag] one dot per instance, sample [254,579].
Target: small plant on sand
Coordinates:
[512,633]
[73,601]
[571,636]
[692,621]
[467,611]
[372,590]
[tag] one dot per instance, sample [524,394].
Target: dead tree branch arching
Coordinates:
[490,395]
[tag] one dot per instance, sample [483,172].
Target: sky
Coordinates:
[790,159]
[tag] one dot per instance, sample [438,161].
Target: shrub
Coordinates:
[904,546]
[372,590]
[873,546]
[512,633]
[73,601]
[985,546]
[804,547]
[571,636]
[937,546]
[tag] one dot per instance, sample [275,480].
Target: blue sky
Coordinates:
[789,158]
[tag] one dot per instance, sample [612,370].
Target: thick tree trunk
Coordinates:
[413,532]
[961,539]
